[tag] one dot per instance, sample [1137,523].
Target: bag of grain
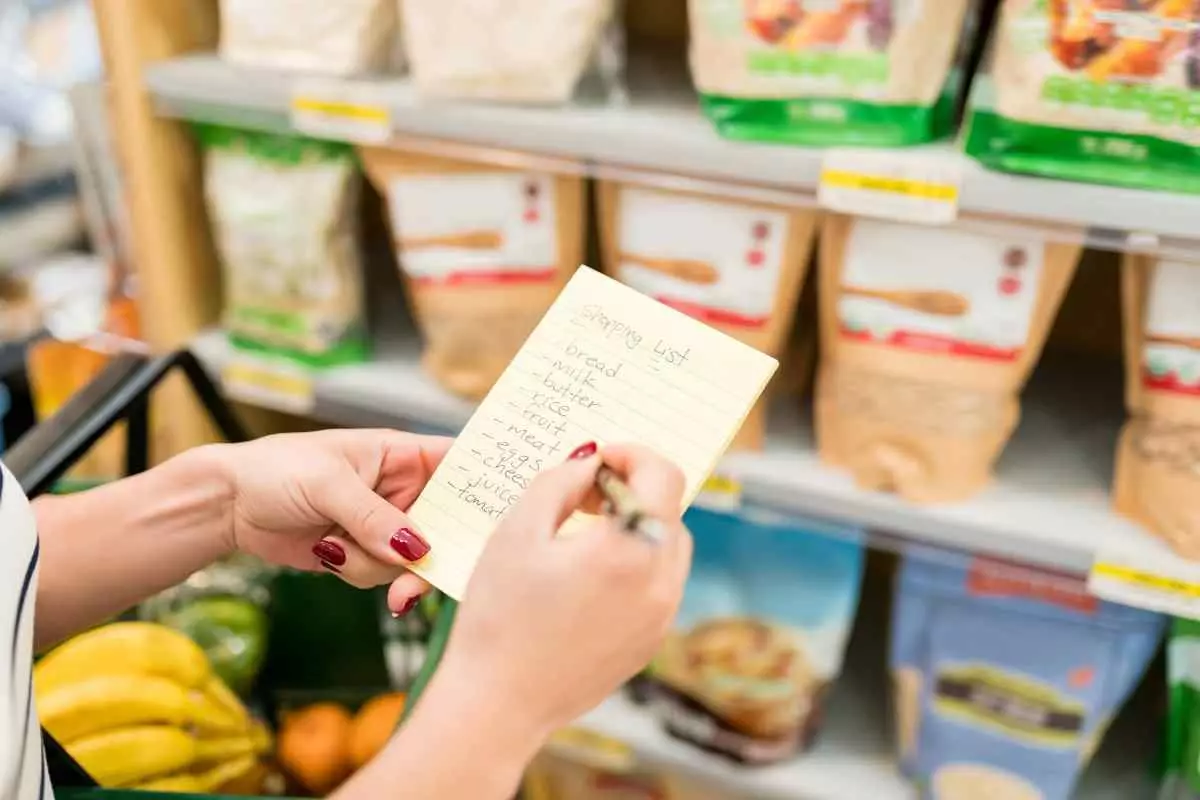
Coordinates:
[483,249]
[736,264]
[814,72]
[927,336]
[1093,90]
[1158,480]
[284,214]
[339,38]
[523,51]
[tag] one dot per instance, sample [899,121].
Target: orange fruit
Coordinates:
[374,725]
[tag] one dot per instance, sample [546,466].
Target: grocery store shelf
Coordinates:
[1049,505]
[854,754]
[661,130]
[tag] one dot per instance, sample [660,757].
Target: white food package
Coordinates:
[285,230]
[526,51]
[342,37]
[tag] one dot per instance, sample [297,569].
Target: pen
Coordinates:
[621,503]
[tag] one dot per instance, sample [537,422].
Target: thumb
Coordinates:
[385,532]
[556,494]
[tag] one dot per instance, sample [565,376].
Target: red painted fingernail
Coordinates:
[408,606]
[409,544]
[331,568]
[330,552]
[583,451]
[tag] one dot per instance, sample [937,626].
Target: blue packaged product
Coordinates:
[760,634]
[1006,677]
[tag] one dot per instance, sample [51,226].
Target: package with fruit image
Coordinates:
[1105,91]
[927,336]
[1157,483]
[867,72]
[736,265]
[484,250]
[760,635]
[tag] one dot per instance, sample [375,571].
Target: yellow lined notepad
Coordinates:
[606,364]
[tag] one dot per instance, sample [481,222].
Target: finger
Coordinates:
[405,592]
[409,461]
[554,495]
[385,532]
[343,557]
[656,482]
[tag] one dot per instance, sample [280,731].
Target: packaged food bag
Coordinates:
[816,72]
[1092,90]
[341,38]
[484,251]
[760,635]
[1157,483]
[1006,677]
[284,214]
[525,51]
[737,265]
[1182,756]
[927,336]
[554,776]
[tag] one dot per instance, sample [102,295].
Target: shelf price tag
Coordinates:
[1156,581]
[904,185]
[349,111]
[721,492]
[269,383]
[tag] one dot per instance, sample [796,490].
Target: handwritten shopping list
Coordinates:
[605,364]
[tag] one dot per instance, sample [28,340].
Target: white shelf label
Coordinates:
[1155,581]
[345,110]
[269,382]
[905,185]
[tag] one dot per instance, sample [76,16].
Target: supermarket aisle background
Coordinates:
[953,554]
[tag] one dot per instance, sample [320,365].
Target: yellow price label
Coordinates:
[1148,580]
[335,108]
[341,108]
[720,493]
[281,386]
[908,187]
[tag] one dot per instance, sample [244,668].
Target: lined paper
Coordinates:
[605,364]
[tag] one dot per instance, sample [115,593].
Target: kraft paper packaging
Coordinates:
[1157,483]
[734,264]
[927,337]
[484,250]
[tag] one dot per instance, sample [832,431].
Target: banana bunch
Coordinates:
[137,704]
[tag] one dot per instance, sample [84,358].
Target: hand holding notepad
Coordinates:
[605,364]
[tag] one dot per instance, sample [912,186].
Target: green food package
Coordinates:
[824,72]
[1183,719]
[1096,92]
[284,216]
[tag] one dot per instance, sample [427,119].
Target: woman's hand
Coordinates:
[334,500]
[553,625]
